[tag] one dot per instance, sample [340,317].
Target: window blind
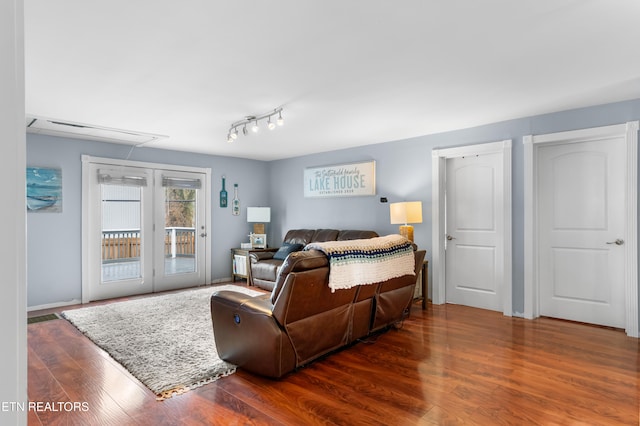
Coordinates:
[181,182]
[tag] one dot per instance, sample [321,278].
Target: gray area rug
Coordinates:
[165,341]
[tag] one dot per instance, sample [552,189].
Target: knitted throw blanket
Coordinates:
[366,261]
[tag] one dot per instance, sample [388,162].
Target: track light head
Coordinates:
[280,120]
[270,124]
[255,127]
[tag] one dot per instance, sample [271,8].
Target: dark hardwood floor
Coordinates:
[447,365]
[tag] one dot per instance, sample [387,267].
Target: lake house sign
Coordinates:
[344,180]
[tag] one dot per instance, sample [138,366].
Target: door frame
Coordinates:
[438,211]
[531,143]
[87,160]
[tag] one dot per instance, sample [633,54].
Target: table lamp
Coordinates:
[258,215]
[405,213]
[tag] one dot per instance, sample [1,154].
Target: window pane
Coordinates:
[121,210]
[180,231]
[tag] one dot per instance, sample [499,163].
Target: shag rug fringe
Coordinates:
[165,341]
[179,390]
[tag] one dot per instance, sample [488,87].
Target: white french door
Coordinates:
[144,228]
[180,230]
[121,228]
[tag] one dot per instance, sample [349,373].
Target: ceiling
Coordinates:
[346,73]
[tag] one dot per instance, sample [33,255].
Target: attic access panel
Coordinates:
[75,130]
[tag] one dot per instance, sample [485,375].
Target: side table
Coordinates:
[241,262]
[424,285]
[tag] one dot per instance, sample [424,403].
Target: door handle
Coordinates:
[617,242]
[204,234]
[449,238]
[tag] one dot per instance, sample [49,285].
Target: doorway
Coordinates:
[144,228]
[472,226]
[581,226]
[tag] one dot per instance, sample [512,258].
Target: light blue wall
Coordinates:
[54,249]
[403,171]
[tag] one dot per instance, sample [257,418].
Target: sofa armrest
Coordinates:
[237,299]
[247,334]
[257,256]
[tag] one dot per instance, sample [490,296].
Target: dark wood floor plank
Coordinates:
[216,406]
[447,365]
[83,382]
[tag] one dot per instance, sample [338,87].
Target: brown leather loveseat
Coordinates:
[265,267]
[302,319]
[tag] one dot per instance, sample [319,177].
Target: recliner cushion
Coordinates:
[286,249]
[266,269]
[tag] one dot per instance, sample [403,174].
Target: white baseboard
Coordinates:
[78,301]
[54,305]
[221,280]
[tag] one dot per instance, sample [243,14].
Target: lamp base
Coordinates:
[258,228]
[407,232]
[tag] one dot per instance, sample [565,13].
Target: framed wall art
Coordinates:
[343,180]
[44,190]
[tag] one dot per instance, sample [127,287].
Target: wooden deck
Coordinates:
[447,365]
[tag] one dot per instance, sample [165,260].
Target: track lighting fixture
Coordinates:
[254,121]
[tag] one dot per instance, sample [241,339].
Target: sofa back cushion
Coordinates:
[296,262]
[306,236]
[299,236]
[322,235]
[351,234]
[316,320]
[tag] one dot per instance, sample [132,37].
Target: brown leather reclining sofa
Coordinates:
[264,267]
[302,319]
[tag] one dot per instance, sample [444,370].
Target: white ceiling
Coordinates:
[347,73]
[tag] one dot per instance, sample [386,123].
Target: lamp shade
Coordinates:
[406,212]
[259,214]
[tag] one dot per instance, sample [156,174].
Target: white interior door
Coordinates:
[581,229]
[474,252]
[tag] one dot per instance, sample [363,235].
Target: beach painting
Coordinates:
[44,190]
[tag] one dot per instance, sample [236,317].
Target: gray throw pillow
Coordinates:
[287,248]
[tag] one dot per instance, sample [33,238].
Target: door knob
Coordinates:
[204,234]
[449,238]
[617,242]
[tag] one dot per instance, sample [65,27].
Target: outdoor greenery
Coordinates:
[180,207]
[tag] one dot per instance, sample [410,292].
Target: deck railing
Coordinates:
[120,244]
[125,243]
[179,241]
